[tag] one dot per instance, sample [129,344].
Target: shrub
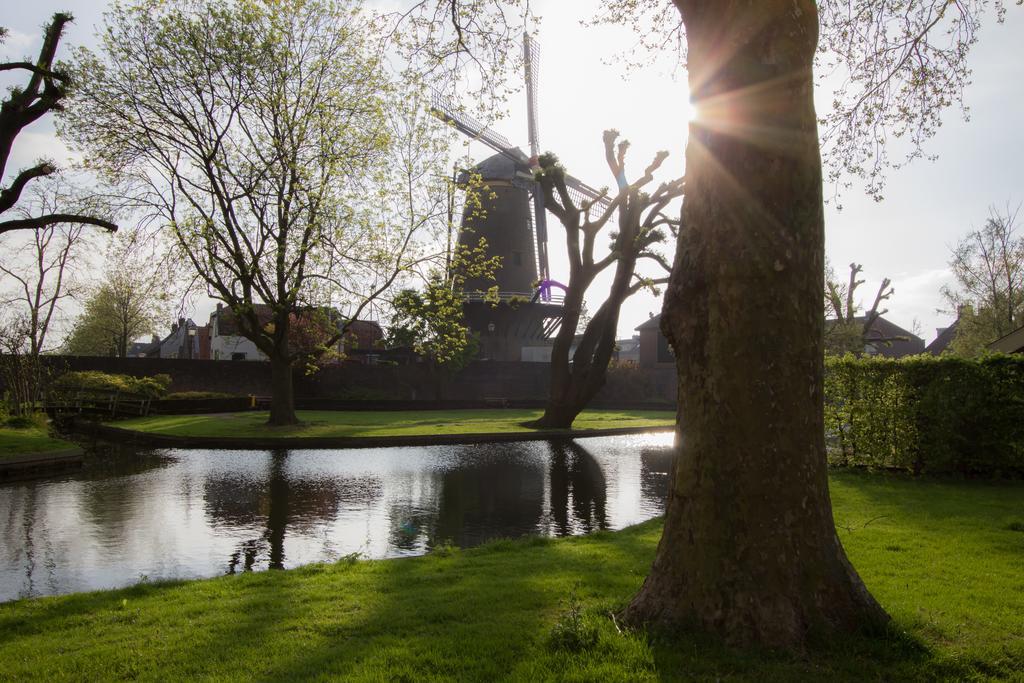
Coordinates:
[926,413]
[193,395]
[572,632]
[27,421]
[92,380]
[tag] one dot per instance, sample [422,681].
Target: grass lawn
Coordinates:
[327,423]
[945,558]
[19,441]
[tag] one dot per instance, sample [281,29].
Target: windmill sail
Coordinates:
[531,63]
[443,108]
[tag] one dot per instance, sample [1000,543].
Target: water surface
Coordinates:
[132,515]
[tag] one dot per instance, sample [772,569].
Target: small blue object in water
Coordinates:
[408,528]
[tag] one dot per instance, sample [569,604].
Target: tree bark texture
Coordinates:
[749,549]
[282,399]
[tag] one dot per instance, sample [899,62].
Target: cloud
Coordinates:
[16,45]
[31,146]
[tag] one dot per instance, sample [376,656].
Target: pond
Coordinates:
[134,515]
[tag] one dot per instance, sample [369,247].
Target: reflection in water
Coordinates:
[578,490]
[187,513]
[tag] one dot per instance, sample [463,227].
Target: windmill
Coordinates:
[514,224]
[516,167]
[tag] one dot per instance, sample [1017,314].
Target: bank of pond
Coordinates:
[943,556]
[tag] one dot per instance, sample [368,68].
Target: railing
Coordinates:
[112,403]
[522,297]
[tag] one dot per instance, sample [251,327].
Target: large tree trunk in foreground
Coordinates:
[282,393]
[749,550]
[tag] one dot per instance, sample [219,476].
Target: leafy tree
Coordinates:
[989,295]
[44,93]
[430,320]
[126,305]
[259,132]
[641,222]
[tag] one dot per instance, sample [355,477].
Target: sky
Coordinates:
[584,89]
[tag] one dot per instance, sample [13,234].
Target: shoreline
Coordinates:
[345,442]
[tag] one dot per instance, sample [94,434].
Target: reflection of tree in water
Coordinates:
[19,535]
[499,495]
[578,486]
[274,504]
[115,488]
[655,473]
[107,493]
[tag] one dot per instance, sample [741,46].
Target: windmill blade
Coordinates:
[442,108]
[531,63]
[581,192]
[540,223]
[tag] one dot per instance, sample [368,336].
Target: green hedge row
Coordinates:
[93,380]
[927,414]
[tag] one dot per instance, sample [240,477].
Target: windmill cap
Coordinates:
[498,167]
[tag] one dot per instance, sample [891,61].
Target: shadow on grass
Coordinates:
[481,614]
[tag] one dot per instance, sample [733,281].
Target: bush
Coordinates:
[926,413]
[91,380]
[28,421]
[192,395]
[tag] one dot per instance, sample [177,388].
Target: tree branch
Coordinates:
[53,219]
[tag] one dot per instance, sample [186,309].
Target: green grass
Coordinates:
[324,423]
[943,557]
[21,441]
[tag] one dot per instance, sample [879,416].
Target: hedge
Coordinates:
[92,380]
[927,414]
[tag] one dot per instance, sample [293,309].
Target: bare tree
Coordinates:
[40,268]
[44,93]
[642,224]
[846,330]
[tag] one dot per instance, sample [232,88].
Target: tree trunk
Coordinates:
[574,386]
[749,549]
[282,397]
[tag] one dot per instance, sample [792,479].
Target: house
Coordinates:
[226,340]
[890,340]
[628,350]
[1011,343]
[885,339]
[944,336]
[186,340]
[654,351]
[144,349]
[228,343]
[362,335]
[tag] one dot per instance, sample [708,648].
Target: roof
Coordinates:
[943,339]
[654,323]
[498,167]
[227,322]
[1011,343]
[882,329]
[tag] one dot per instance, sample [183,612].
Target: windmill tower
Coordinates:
[513,221]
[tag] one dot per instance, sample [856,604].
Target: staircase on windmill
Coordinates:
[513,221]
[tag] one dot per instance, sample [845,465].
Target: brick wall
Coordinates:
[478,381]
